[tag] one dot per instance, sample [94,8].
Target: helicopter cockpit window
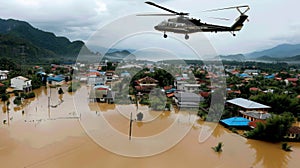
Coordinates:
[164,23]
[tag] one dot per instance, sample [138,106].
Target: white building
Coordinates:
[21,83]
[191,87]
[3,74]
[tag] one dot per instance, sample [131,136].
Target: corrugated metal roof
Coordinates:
[248,104]
[256,114]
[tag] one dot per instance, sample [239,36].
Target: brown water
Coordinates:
[40,138]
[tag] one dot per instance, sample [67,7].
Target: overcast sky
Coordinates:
[272,22]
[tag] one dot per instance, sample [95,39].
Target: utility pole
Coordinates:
[130,126]
[49,102]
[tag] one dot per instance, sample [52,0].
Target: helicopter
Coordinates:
[185,25]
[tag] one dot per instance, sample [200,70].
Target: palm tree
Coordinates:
[218,148]
[286,147]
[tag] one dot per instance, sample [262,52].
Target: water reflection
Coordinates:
[217,131]
[269,155]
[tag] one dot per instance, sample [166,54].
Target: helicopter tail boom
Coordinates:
[239,23]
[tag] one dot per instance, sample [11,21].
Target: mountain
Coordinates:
[280,51]
[17,34]
[19,50]
[286,59]
[235,57]
[117,55]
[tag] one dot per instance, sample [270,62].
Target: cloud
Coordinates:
[270,21]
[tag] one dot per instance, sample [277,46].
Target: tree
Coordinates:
[60,91]
[286,147]
[274,129]
[218,148]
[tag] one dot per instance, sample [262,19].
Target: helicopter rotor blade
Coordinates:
[232,7]
[219,18]
[156,14]
[166,9]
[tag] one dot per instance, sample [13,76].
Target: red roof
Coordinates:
[93,73]
[1,84]
[147,79]
[253,124]
[168,87]
[294,130]
[204,94]
[170,95]
[234,91]
[292,79]
[254,89]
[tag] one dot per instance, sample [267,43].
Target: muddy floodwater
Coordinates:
[42,136]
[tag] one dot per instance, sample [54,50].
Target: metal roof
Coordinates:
[247,104]
[256,114]
[236,122]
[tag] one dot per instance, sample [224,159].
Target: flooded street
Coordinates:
[45,137]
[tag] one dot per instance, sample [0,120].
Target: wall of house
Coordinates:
[19,84]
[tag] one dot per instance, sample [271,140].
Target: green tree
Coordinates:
[274,129]
[286,147]
[218,148]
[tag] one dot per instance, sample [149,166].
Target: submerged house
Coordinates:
[102,93]
[248,105]
[187,100]
[255,115]
[56,80]
[250,110]
[95,78]
[146,84]
[21,83]
[293,133]
[3,74]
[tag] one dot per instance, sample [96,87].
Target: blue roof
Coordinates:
[57,78]
[171,90]
[244,75]
[236,122]
[270,76]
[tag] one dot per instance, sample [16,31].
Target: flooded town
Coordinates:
[59,126]
[154,84]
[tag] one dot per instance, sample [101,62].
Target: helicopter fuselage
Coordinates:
[185,25]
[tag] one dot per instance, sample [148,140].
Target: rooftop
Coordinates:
[247,104]
[294,130]
[236,122]
[256,114]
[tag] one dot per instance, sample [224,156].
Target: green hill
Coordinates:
[19,38]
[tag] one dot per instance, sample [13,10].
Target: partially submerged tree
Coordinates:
[218,148]
[286,147]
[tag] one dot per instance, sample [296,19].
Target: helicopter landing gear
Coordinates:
[233,33]
[165,35]
[186,36]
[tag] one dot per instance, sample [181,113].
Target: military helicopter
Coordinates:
[185,25]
